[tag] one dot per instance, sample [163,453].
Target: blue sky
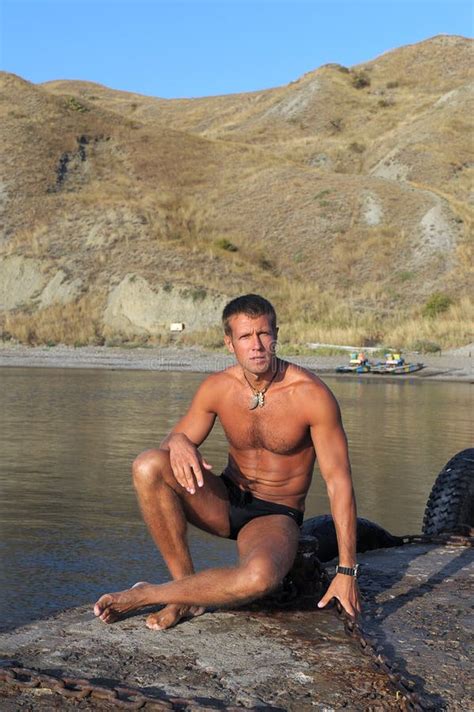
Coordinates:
[191,48]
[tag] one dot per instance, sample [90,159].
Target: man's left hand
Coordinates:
[346,590]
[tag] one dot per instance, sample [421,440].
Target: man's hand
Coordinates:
[186,462]
[346,590]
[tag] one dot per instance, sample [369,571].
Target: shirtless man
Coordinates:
[277,417]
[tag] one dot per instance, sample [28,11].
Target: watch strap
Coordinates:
[348,570]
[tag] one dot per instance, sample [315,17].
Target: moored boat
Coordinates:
[358,363]
[397,370]
[394,364]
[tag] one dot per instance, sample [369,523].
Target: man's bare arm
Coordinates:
[188,434]
[330,443]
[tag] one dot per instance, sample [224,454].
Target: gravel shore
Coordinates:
[456,365]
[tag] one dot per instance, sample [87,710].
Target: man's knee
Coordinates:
[150,467]
[260,577]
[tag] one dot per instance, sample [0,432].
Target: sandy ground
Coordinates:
[456,365]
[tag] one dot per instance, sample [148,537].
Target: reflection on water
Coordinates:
[70,528]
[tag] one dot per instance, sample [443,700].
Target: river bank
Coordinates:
[456,365]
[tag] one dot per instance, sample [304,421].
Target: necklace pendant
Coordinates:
[261,399]
[254,401]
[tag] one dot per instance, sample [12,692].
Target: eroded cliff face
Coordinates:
[135,309]
[21,280]
[132,309]
[25,283]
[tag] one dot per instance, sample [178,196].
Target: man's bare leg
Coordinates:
[166,507]
[267,548]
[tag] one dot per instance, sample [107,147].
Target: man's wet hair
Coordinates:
[252,305]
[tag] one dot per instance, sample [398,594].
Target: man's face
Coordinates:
[252,341]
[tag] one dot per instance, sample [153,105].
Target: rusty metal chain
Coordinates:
[16,676]
[462,536]
[20,677]
[12,674]
[407,698]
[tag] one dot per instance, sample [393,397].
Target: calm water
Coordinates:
[70,528]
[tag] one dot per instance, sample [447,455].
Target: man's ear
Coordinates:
[228,343]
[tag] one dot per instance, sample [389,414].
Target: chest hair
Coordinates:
[272,427]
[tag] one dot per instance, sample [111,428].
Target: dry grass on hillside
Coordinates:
[341,196]
[331,119]
[306,315]
[77,323]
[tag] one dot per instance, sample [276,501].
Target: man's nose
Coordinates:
[257,342]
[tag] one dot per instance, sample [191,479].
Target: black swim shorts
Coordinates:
[244,507]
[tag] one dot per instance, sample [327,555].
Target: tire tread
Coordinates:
[452,496]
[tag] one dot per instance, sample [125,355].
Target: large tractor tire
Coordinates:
[451,502]
[369,536]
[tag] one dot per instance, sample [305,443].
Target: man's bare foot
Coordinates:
[171,614]
[112,606]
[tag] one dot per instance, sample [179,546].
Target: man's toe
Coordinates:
[102,604]
[153,626]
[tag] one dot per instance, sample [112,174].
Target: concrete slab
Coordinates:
[417,607]
[292,661]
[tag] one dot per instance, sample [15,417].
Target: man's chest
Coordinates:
[276,426]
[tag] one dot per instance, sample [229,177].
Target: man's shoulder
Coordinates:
[209,394]
[219,379]
[311,390]
[304,378]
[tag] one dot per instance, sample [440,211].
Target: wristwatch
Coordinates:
[348,570]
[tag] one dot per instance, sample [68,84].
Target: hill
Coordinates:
[343,196]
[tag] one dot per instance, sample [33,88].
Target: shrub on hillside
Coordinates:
[360,80]
[226,244]
[436,304]
[384,103]
[336,124]
[75,105]
[357,147]
[405,275]
[197,294]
